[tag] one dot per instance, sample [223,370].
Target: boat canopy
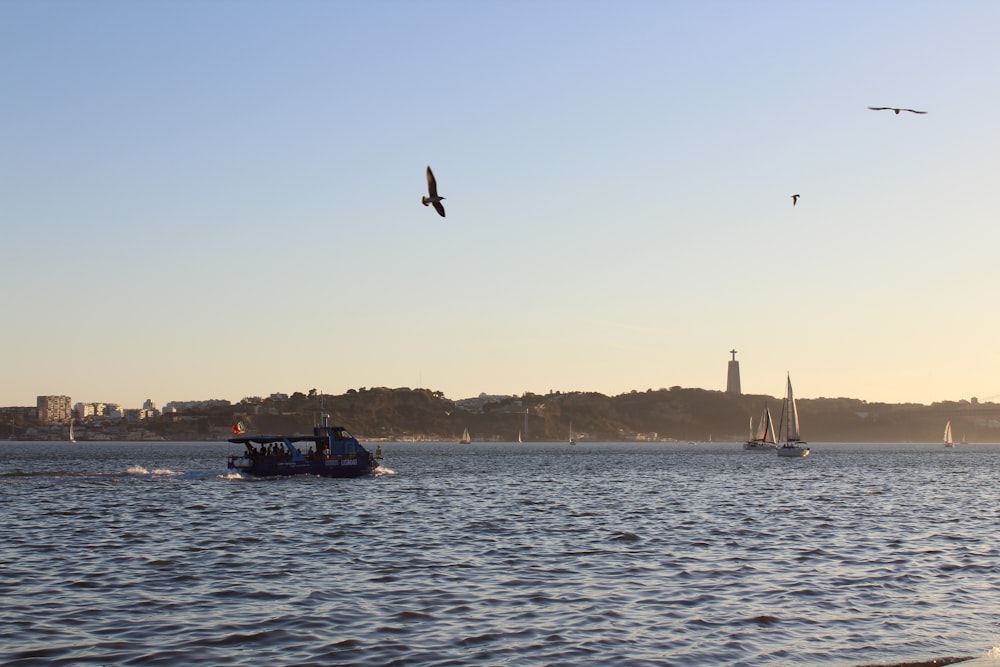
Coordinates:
[268,439]
[285,440]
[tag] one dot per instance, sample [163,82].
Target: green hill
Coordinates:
[665,414]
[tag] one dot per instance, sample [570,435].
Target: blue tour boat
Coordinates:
[333,452]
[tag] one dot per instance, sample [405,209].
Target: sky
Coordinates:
[221,199]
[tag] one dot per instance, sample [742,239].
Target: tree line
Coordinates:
[677,413]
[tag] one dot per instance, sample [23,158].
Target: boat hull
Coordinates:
[758,447]
[793,452]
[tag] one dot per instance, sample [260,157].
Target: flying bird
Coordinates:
[795,200]
[432,190]
[895,109]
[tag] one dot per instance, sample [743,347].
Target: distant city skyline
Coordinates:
[216,200]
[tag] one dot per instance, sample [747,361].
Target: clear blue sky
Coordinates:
[220,199]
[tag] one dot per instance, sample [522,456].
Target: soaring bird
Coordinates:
[895,109]
[432,190]
[795,200]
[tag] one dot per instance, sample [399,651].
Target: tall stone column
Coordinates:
[733,382]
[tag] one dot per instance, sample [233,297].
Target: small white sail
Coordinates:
[770,437]
[793,416]
[948,441]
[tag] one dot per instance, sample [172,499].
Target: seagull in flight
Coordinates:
[795,199]
[895,109]
[432,190]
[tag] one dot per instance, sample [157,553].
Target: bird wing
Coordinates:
[432,186]
[439,207]
[879,108]
[914,111]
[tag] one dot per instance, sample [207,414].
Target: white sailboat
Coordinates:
[466,438]
[948,441]
[72,438]
[792,447]
[764,438]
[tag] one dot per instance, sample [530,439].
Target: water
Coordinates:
[500,554]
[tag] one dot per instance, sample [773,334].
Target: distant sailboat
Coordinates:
[948,441]
[71,437]
[466,439]
[519,441]
[792,446]
[764,438]
[572,439]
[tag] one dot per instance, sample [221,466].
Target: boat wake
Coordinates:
[139,470]
[131,472]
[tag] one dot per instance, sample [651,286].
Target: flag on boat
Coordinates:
[239,428]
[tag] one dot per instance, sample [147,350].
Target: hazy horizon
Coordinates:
[227,196]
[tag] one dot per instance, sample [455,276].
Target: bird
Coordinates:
[432,190]
[895,109]
[795,200]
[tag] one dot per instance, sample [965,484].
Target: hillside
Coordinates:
[666,414]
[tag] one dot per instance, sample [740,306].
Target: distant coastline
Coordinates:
[404,414]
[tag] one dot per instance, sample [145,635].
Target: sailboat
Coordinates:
[764,438]
[792,447]
[572,440]
[71,437]
[466,438]
[948,441]
[519,441]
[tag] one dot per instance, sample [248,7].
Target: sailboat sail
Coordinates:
[765,429]
[792,434]
[768,435]
[763,437]
[948,441]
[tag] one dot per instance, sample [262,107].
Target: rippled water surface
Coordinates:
[500,554]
